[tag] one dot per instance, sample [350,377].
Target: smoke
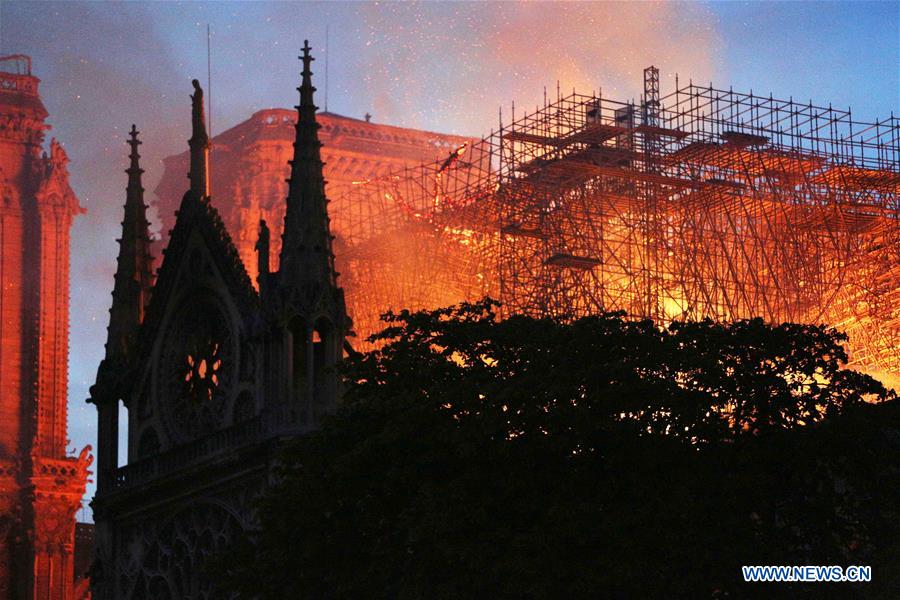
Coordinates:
[438,66]
[452,64]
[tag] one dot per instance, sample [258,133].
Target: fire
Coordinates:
[574,222]
[562,213]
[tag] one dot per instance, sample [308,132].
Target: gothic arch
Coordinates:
[323,344]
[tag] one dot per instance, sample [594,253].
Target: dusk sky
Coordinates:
[439,66]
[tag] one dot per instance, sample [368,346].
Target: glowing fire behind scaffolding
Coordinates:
[703,203]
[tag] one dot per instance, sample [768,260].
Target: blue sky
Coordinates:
[440,66]
[846,53]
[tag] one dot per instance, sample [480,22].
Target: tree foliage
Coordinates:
[479,457]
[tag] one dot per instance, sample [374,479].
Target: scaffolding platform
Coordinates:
[571,261]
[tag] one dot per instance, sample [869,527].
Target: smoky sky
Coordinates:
[439,66]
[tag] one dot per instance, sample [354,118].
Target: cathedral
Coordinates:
[216,374]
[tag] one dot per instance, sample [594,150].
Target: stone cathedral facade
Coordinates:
[214,373]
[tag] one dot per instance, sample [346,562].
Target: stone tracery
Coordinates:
[160,560]
[196,367]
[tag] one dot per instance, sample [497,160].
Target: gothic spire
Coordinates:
[306,253]
[134,270]
[199,144]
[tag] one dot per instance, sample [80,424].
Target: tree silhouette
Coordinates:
[479,457]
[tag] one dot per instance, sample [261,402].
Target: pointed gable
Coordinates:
[198,221]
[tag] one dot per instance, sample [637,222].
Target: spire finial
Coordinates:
[199,144]
[134,142]
[307,108]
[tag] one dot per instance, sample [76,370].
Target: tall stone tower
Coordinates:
[40,486]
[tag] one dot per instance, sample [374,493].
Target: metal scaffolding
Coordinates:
[702,203]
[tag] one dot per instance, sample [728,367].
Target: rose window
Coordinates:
[198,363]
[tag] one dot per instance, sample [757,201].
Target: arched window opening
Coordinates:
[299,351]
[323,361]
[122,442]
[322,340]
